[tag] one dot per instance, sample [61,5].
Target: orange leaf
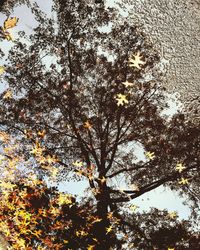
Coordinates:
[10,22]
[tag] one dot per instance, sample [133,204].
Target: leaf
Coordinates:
[128,84]
[41,133]
[183,181]
[150,155]
[180,167]
[109,229]
[136,61]
[8,95]
[90,247]
[7,185]
[64,199]
[87,125]
[2,70]
[134,187]
[7,35]
[78,163]
[133,208]
[173,215]
[121,99]
[10,22]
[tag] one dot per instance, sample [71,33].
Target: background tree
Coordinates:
[34,215]
[7,6]
[83,92]
[159,229]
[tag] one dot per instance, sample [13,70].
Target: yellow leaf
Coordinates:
[183,181]
[54,172]
[133,208]
[78,163]
[102,180]
[172,215]
[90,247]
[136,61]
[21,243]
[64,199]
[128,84]
[96,220]
[121,99]
[7,185]
[7,35]
[4,137]
[54,211]
[8,95]
[50,159]
[2,70]
[37,150]
[10,22]
[180,167]
[81,233]
[37,233]
[109,229]
[87,125]
[41,133]
[150,155]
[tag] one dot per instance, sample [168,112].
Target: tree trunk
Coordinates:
[105,238]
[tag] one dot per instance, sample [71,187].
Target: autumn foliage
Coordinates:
[80,101]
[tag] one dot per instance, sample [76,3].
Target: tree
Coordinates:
[82,95]
[7,6]
[33,215]
[159,229]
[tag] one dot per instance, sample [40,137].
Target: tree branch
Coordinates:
[151,186]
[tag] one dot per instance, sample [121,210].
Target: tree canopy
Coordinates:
[83,93]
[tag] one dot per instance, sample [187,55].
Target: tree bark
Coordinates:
[105,238]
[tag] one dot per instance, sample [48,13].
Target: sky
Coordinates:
[161,198]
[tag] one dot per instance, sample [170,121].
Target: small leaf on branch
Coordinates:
[2,70]
[109,229]
[128,84]
[136,61]
[8,95]
[87,125]
[7,185]
[7,35]
[78,163]
[180,167]
[133,208]
[173,215]
[150,155]
[103,179]
[134,187]
[183,181]
[90,247]
[121,99]
[41,133]
[10,22]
